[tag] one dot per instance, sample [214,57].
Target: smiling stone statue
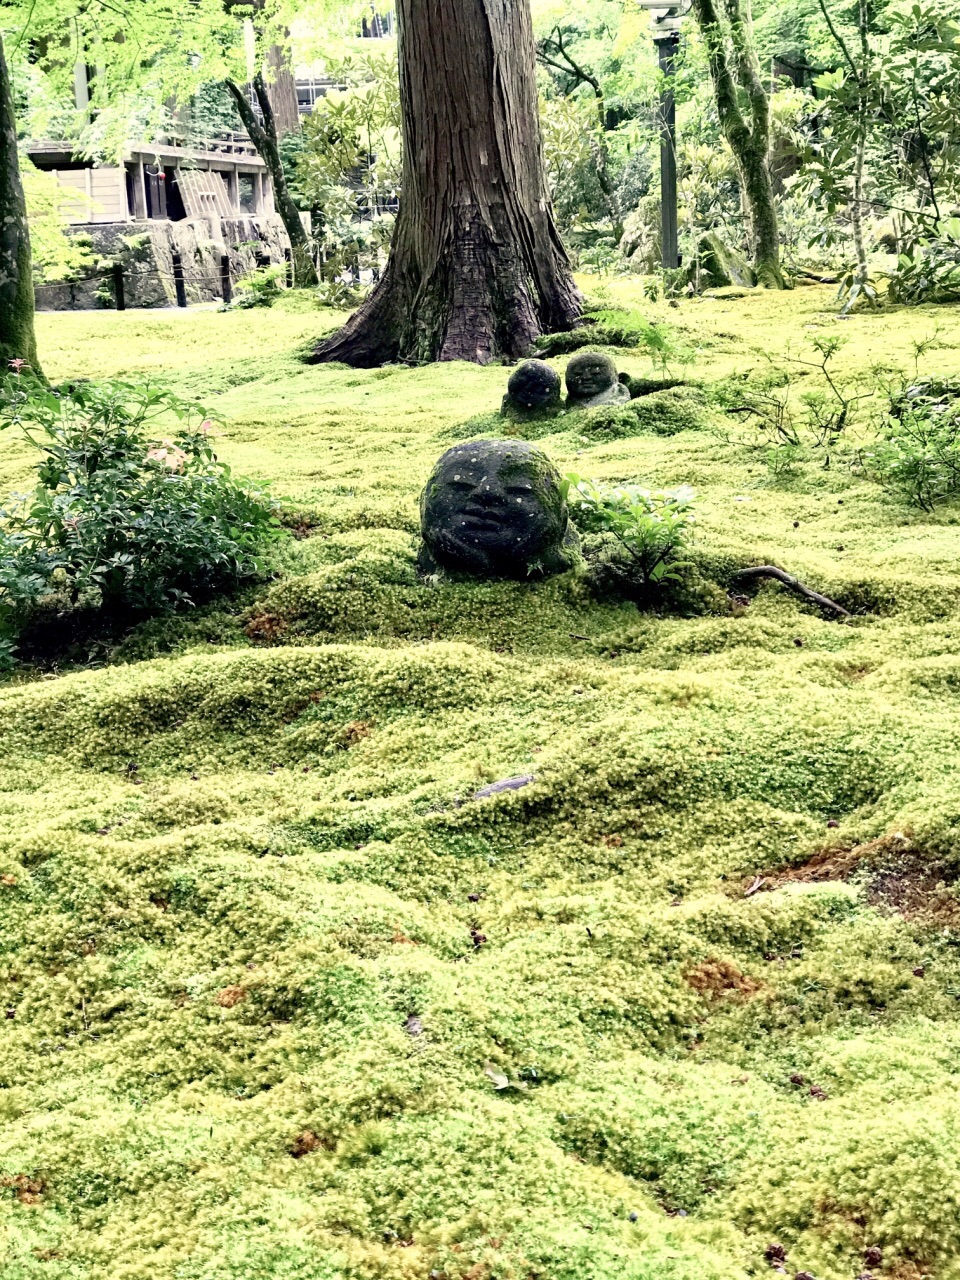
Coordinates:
[495,509]
[592,380]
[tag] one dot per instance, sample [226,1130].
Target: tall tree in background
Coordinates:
[477,269]
[17,337]
[279,115]
[266,138]
[737,79]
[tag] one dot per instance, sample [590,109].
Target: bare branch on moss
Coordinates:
[794,585]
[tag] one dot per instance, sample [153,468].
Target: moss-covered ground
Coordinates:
[283,1000]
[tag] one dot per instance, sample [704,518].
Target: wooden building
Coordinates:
[223,179]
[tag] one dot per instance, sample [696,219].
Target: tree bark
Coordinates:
[735,69]
[264,138]
[283,92]
[477,270]
[17,337]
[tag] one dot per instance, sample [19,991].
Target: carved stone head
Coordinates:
[495,508]
[534,388]
[592,379]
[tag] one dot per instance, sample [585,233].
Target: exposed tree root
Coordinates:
[794,585]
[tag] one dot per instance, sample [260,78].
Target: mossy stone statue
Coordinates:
[534,391]
[495,509]
[592,379]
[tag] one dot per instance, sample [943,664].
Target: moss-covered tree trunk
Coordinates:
[266,139]
[735,71]
[17,338]
[477,269]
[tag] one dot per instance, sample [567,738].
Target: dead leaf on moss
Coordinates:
[713,979]
[304,1143]
[265,628]
[231,996]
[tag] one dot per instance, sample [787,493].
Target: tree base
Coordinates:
[480,303]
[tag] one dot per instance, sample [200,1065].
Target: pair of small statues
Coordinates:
[535,388]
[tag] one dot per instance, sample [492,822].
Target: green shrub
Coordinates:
[930,272]
[917,454]
[259,288]
[119,518]
[649,525]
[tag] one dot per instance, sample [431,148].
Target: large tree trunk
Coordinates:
[265,138]
[477,269]
[17,338]
[734,68]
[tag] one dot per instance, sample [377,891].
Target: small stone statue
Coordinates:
[592,379]
[534,390]
[495,509]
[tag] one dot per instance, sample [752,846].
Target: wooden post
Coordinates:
[288,258]
[226,284]
[118,287]
[178,282]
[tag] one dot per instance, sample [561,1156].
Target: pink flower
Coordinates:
[18,364]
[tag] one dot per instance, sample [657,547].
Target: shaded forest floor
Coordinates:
[284,1000]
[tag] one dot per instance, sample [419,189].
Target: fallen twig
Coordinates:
[793,584]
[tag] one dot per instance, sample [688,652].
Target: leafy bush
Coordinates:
[784,430]
[259,288]
[930,271]
[650,526]
[119,518]
[917,453]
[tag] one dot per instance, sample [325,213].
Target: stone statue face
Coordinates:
[592,380]
[589,374]
[494,508]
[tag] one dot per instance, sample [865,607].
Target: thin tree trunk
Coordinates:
[863,125]
[571,67]
[17,337]
[477,270]
[734,67]
[862,77]
[264,138]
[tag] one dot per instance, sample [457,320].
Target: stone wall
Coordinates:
[145,251]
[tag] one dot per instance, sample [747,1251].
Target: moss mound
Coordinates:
[289,991]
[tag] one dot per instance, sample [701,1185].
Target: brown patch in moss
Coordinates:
[899,876]
[231,996]
[919,890]
[27,1188]
[713,979]
[304,1142]
[353,733]
[265,628]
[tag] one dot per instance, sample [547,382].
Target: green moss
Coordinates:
[286,999]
